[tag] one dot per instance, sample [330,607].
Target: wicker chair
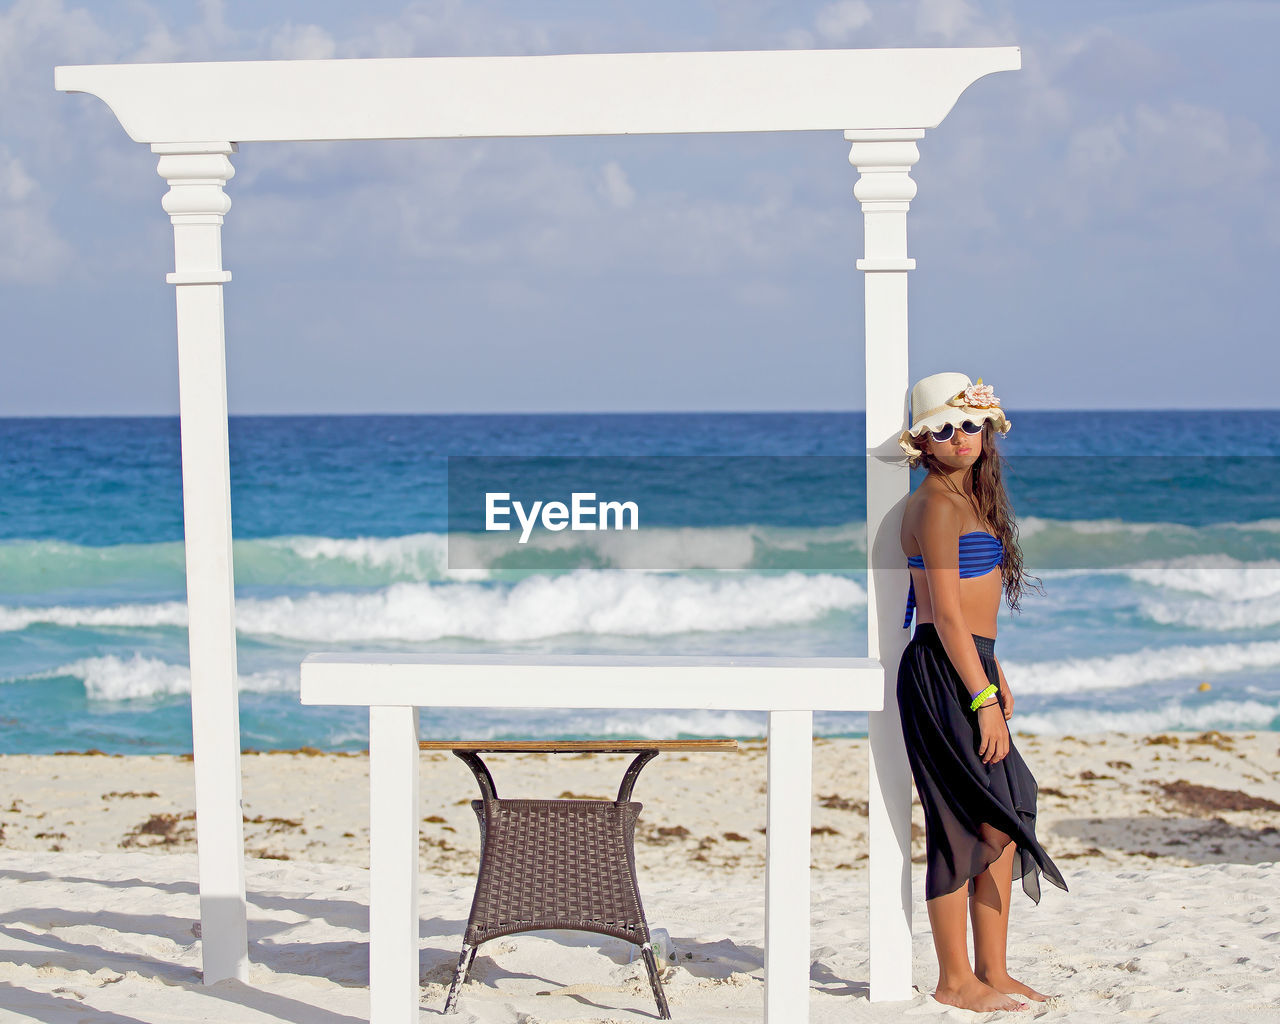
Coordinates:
[564,864]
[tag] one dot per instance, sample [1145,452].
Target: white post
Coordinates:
[196,203]
[393,865]
[884,159]
[786,890]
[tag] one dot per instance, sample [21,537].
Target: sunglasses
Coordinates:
[968,426]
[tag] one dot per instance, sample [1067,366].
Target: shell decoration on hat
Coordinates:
[975,396]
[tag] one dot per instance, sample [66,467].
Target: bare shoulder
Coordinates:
[929,508]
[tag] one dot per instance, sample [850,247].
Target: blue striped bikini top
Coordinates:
[980,552]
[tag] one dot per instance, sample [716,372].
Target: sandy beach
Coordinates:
[1168,842]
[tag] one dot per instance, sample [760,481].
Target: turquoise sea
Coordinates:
[1156,535]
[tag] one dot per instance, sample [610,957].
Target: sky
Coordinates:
[1100,229]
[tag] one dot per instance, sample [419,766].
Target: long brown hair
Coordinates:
[994,507]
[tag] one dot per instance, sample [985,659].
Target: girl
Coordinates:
[978,795]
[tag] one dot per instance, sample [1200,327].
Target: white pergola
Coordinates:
[193,115]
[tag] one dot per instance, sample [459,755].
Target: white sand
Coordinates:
[1173,913]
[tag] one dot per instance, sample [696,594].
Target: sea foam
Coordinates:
[165,613]
[1217,576]
[1136,668]
[1172,714]
[592,602]
[114,678]
[584,601]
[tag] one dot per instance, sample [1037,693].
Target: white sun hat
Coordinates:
[949,398]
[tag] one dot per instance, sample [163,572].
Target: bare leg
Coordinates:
[989,911]
[957,984]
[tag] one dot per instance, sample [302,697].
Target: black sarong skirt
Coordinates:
[957,791]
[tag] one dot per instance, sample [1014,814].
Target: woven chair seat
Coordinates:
[557,864]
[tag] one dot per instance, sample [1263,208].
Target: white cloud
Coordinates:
[158,44]
[1097,148]
[214,28]
[837,22]
[33,29]
[798,39]
[616,186]
[31,252]
[15,184]
[302,42]
[946,18]
[451,27]
[30,248]
[1138,160]
[548,204]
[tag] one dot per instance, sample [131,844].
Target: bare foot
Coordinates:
[1006,983]
[974,995]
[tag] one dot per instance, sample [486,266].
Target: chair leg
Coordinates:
[459,977]
[651,964]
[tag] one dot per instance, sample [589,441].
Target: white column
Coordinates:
[196,203]
[884,159]
[786,890]
[393,865]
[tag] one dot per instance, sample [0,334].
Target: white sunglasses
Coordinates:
[968,426]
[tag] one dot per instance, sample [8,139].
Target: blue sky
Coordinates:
[1098,230]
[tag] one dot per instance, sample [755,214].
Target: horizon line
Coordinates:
[599,412]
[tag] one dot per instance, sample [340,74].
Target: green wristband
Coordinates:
[982,695]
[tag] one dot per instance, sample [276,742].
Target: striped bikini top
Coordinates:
[980,552]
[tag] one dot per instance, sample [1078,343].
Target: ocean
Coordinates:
[1156,535]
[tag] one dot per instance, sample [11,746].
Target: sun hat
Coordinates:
[949,398]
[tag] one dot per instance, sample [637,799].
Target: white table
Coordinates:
[394,686]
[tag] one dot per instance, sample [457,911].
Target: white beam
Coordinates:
[568,94]
[786,865]
[196,203]
[884,160]
[593,681]
[393,865]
